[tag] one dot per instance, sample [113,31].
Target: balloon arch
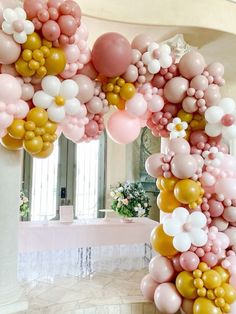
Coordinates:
[51,83]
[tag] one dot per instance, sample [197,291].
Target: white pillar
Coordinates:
[11,300]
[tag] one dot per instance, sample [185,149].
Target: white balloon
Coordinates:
[51,85]
[182,242]
[154,66]
[165,49]
[29,27]
[153,46]
[21,14]
[181,214]
[7,28]
[214,114]
[228,105]
[72,106]
[198,237]
[56,113]
[146,58]
[137,105]
[20,38]
[165,61]
[213,129]
[229,214]
[198,219]
[69,89]
[172,227]
[9,15]
[229,132]
[42,100]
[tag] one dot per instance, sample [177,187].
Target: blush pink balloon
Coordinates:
[183,166]
[10,91]
[220,223]
[199,82]
[175,89]
[51,30]
[88,70]
[27,91]
[190,104]
[156,103]
[9,49]
[199,160]
[231,233]
[73,133]
[228,163]
[122,127]
[148,287]
[5,120]
[216,208]
[179,146]
[223,240]
[153,165]
[174,299]
[9,69]
[86,87]
[229,214]
[207,179]
[141,42]
[22,109]
[189,261]
[131,74]
[191,64]
[111,54]
[91,129]
[210,258]
[215,69]
[95,105]
[187,306]
[72,53]
[212,95]
[67,25]
[227,187]
[137,105]
[161,269]
[176,263]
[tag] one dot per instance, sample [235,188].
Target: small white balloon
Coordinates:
[213,129]
[154,66]
[214,114]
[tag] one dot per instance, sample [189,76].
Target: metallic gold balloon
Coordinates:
[33,146]
[33,42]
[22,68]
[161,242]
[38,115]
[55,62]
[44,153]
[230,293]
[113,99]
[17,129]
[10,143]
[185,285]
[168,184]
[167,202]
[224,274]
[50,127]
[205,306]
[187,191]
[185,116]
[211,279]
[127,91]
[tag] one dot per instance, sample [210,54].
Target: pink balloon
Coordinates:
[122,127]
[148,287]
[88,70]
[198,137]
[183,166]
[170,306]
[189,261]
[9,69]
[158,81]
[91,129]
[179,146]
[9,49]
[231,233]
[223,240]
[86,88]
[175,89]
[216,208]
[72,52]
[156,103]
[190,104]
[5,120]
[141,42]
[27,91]
[187,306]
[95,105]
[137,105]
[227,187]
[210,258]
[67,24]
[176,263]
[22,109]
[212,95]
[131,73]
[220,223]
[207,179]
[10,91]
[199,82]
[199,160]
[161,269]
[111,54]
[153,165]
[51,30]
[215,69]
[229,214]
[228,163]
[73,133]
[191,64]
[33,7]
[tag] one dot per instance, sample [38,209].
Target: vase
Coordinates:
[126,219]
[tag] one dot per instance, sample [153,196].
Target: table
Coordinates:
[84,235]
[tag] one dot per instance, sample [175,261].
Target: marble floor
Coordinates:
[99,293]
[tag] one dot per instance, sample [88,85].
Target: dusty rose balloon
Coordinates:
[220,223]
[10,91]
[176,263]
[51,30]
[170,306]
[187,306]
[183,166]
[95,105]
[9,49]
[216,208]
[91,129]
[11,4]
[210,258]
[131,74]
[190,104]
[179,146]
[32,7]
[111,54]
[191,64]
[189,261]
[148,287]
[175,89]
[199,82]
[158,81]
[197,137]
[212,95]
[230,214]
[215,69]
[123,128]
[86,87]
[153,165]
[9,69]
[89,71]
[161,269]
[141,42]
[67,25]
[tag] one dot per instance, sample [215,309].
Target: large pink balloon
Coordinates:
[148,287]
[74,133]
[183,166]
[179,146]
[111,54]
[141,42]
[161,269]
[122,127]
[86,87]
[9,49]
[173,302]
[153,165]
[227,187]
[32,7]
[175,89]
[191,64]
[10,89]
[11,4]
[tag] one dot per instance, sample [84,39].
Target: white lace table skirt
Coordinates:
[82,262]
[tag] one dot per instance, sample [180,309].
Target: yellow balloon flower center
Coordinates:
[59,100]
[179,127]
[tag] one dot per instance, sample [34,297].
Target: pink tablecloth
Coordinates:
[35,236]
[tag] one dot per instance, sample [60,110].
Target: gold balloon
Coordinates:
[44,153]
[185,285]
[55,62]
[22,68]
[230,293]
[17,129]
[167,202]
[205,306]
[168,184]
[224,274]
[10,143]
[50,127]
[33,146]
[161,242]
[187,191]
[113,99]
[159,183]
[185,116]
[33,42]
[211,279]
[38,115]
[127,91]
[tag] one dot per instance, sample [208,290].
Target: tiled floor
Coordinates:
[101,293]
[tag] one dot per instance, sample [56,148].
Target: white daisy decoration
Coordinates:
[59,98]
[212,157]
[177,128]
[15,24]
[157,57]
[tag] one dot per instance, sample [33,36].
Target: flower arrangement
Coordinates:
[130,200]
[24,205]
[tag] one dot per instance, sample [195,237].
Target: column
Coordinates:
[11,294]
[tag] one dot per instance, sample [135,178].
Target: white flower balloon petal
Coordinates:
[182,242]
[42,99]
[198,219]
[72,106]
[51,85]
[56,114]
[198,237]
[69,89]
[172,227]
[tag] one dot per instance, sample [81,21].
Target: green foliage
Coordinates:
[130,200]
[24,205]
